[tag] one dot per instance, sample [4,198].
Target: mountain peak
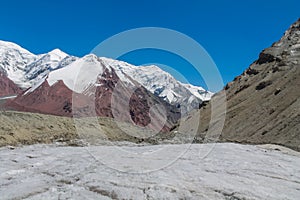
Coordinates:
[5,45]
[92,58]
[8,44]
[293,29]
[58,53]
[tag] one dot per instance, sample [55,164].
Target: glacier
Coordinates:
[229,171]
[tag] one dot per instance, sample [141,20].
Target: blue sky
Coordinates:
[232,32]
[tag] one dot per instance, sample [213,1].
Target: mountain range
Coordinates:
[262,103]
[46,84]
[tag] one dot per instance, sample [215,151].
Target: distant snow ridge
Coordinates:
[199,92]
[157,81]
[26,69]
[162,84]
[51,61]
[29,70]
[13,60]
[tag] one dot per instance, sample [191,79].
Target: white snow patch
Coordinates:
[79,75]
[199,92]
[8,97]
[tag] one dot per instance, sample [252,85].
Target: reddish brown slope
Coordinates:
[7,87]
[57,100]
[45,99]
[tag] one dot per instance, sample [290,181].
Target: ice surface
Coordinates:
[229,171]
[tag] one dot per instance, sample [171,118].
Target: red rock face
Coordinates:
[7,87]
[45,99]
[133,107]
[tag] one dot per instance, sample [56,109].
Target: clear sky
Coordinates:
[232,32]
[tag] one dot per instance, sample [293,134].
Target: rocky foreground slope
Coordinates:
[19,128]
[263,103]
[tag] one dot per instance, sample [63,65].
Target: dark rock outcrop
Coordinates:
[266,58]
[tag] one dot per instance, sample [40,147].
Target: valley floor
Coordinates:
[205,171]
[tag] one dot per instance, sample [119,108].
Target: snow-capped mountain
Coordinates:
[161,84]
[155,80]
[40,68]
[30,71]
[26,69]
[89,87]
[13,60]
